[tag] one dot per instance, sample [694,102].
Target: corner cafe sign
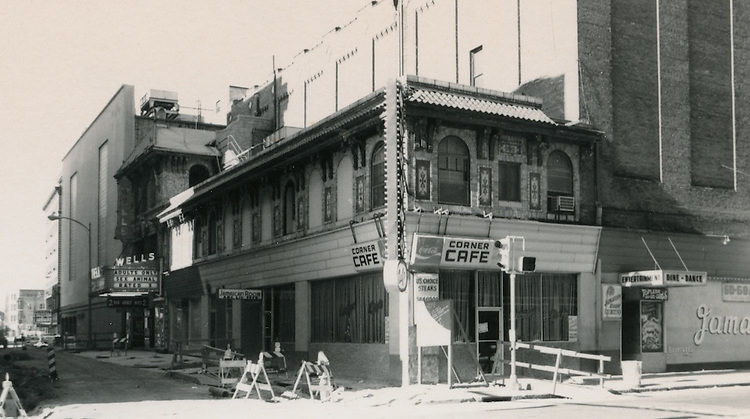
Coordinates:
[432,252]
[662,278]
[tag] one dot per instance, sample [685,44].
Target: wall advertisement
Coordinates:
[705,327]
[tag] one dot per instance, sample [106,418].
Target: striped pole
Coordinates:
[52,364]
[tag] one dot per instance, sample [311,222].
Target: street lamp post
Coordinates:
[55,217]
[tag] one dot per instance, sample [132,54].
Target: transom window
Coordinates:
[453,172]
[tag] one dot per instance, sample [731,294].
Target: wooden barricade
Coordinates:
[119,344]
[277,362]
[14,408]
[319,370]
[556,370]
[249,380]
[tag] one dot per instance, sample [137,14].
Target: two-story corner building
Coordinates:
[118,174]
[296,242]
[291,244]
[656,195]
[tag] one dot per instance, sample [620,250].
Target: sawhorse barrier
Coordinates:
[14,409]
[119,344]
[277,361]
[320,370]
[249,380]
[556,369]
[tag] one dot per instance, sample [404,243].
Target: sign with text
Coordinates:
[735,292]
[661,278]
[367,256]
[434,252]
[655,294]
[136,277]
[43,317]
[426,286]
[240,294]
[612,302]
[127,302]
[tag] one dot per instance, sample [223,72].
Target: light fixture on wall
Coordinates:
[724,238]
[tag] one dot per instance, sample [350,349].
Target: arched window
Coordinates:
[559,174]
[453,172]
[377,177]
[560,183]
[197,174]
[289,209]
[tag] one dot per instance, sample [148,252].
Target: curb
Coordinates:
[685,387]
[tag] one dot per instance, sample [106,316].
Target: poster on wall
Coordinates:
[612,302]
[572,328]
[652,325]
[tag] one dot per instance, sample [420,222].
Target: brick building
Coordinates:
[667,83]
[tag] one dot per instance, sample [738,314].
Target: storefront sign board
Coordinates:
[240,294]
[735,292]
[654,294]
[434,252]
[426,286]
[660,278]
[367,256]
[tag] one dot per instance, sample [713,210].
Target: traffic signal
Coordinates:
[503,252]
[527,263]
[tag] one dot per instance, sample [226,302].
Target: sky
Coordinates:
[63,60]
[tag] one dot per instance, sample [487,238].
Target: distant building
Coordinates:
[31,306]
[109,246]
[52,260]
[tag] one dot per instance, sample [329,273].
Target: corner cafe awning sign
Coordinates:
[433,252]
[662,278]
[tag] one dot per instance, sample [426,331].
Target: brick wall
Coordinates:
[691,187]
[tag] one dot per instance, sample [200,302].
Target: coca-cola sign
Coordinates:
[434,252]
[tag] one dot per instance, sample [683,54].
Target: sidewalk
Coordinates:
[381,394]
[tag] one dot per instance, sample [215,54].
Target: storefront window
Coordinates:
[351,309]
[546,306]
[459,287]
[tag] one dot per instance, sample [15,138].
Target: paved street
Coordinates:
[87,380]
[96,385]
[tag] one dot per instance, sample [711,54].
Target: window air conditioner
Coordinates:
[565,204]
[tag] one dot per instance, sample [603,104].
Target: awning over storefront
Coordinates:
[183,283]
[625,251]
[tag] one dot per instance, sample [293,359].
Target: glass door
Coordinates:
[488,333]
